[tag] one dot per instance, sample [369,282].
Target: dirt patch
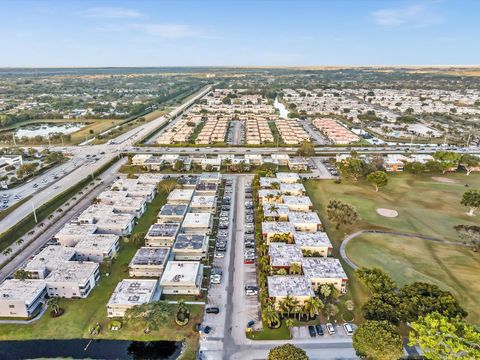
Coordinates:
[444,180]
[391,213]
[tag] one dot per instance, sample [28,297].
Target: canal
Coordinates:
[91,349]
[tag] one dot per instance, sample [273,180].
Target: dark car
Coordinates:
[311,330]
[212,310]
[207,329]
[250,323]
[319,330]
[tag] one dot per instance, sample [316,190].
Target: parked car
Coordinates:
[212,310]
[319,330]
[207,329]
[330,328]
[251,292]
[311,330]
[219,254]
[348,329]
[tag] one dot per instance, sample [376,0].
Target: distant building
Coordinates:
[182,277]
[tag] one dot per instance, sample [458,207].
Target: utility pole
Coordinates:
[34,213]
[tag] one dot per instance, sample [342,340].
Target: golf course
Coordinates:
[426,205]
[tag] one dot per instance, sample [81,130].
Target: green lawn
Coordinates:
[282,333]
[453,268]
[80,314]
[425,206]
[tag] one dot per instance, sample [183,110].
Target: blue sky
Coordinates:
[239,32]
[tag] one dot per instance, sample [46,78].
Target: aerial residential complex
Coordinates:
[296,237]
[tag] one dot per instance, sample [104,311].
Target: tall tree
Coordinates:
[341,213]
[445,338]
[471,199]
[377,340]
[377,280]
[470,162]
[448,160]
[287,352]
[378,179]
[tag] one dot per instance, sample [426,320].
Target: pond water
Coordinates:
[92,349]
[281,108]
[45,129]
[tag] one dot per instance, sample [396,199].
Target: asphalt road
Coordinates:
[107,177]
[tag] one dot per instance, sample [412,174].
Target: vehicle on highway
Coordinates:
[212,310]
[348,329]
[311,330]
[330,328]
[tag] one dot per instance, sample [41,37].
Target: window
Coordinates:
[11,306]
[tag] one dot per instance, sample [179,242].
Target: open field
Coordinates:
[81,314]
[453,268]
[425,206]
[92,129]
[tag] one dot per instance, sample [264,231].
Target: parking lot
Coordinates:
[304,333]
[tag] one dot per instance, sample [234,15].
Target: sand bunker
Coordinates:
[444,180]
[387,212]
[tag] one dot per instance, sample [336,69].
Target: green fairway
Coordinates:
[425,206]
[453,268]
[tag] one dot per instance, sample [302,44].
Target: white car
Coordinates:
[219,254]
[330,328]
[348,329]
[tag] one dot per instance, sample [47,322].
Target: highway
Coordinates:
[86,160]
[89,158]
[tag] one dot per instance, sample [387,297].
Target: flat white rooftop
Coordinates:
[285,177]
[197,220]
[292,188]
[73,271]
[312,239]
[50,258]
[321,267]
[180,272]
[21,290]
[203,201]
[282,254]
[74,229]
[300,217]
[277,227]
[296,200]
[101,242]
[133,292]
[293,285]
[180,195]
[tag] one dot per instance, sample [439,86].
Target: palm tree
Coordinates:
[273,208]
[275,186]
[19,241]
[270,316]
[151,314]
[54,304]
[294,305]
[282,271]
[7,251]
[295,269]
[312,306]
[325,291]
[331,310]
[21,274]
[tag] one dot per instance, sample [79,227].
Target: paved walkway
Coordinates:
[343,252]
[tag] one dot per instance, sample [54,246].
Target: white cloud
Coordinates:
[167,31]
[112,13]
[416,16]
